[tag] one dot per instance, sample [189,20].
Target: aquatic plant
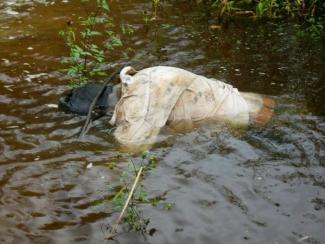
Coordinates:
[91,41]
[132,195]
[153,15]
[309,13]
[155,7]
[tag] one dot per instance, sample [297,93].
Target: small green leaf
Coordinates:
[105,5]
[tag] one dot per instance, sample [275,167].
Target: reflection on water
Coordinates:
[262,186]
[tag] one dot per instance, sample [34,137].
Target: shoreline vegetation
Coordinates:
[307,15]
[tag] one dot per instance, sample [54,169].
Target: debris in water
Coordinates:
[303,238]
[215,27]
[52,105]
[30,77]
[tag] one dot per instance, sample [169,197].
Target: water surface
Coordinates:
[264,185]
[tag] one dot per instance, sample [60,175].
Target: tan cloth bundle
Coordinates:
[155,96]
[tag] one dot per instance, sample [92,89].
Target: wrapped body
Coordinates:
[156,96]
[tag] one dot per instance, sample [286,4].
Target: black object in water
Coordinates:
[79,99]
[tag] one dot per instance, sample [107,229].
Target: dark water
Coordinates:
[265,185]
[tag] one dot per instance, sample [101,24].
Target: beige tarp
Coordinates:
[155,96]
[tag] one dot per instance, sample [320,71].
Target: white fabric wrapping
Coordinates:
[154,96]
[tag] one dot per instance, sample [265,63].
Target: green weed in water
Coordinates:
[134,217]
[92,40]
[309,14]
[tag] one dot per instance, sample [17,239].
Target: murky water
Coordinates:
[266,185]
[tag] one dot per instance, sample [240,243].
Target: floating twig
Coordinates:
[114,228]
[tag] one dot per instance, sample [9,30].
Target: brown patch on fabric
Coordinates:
[266,112]
[268,102]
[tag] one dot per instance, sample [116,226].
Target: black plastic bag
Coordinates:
[79,99]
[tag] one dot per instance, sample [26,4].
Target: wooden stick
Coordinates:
[92,105]
[114,228]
